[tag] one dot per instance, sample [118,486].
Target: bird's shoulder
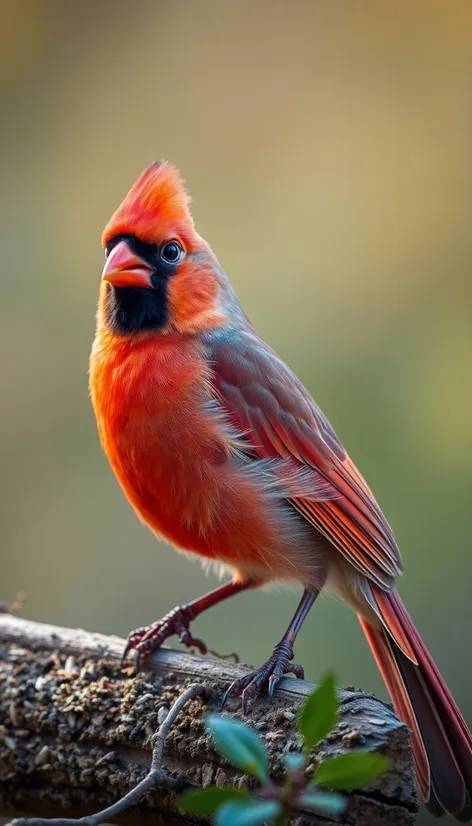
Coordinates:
[252,378]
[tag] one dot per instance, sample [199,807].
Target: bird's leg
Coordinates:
[279,663]
[147,639]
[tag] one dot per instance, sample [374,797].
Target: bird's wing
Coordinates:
[278,417]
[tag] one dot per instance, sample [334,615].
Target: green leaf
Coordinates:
[327,803]
[206,801]
[350,771]
[319,713]
[239,744]
[255,813]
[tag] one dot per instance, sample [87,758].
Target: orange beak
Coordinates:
[123,268]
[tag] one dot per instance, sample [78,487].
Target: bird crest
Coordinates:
[155,208]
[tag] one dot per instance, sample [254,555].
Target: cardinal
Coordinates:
[223,453]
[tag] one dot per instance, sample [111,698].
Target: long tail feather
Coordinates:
[441,741]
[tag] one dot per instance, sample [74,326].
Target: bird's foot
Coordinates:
[147,639]
[268,675]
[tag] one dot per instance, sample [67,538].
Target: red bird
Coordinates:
[221,451]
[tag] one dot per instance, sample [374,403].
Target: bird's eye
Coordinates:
[172,252]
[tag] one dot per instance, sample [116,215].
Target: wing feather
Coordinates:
[278,418]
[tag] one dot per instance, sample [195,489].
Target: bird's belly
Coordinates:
[200,501]
[180,484]
[192,501]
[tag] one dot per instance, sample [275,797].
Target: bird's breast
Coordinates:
[173,453]
[149,404]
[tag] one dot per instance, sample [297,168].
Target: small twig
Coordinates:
[155,776]
[194,690]
[233,656]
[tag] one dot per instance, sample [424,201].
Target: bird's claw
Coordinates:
[268,674]
[149,638]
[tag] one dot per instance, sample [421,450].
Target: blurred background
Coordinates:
[327,150]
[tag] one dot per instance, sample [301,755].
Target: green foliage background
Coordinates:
[327,148]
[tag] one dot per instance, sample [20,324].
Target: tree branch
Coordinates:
[76,732]
[154,777]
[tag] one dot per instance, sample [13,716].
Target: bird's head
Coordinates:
[159,275]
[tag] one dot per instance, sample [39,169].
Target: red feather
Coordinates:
[441,741]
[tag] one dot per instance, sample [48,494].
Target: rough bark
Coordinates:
[75,729]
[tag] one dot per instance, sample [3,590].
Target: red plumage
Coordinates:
[222,451]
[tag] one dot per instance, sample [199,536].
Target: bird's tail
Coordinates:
[441,741]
